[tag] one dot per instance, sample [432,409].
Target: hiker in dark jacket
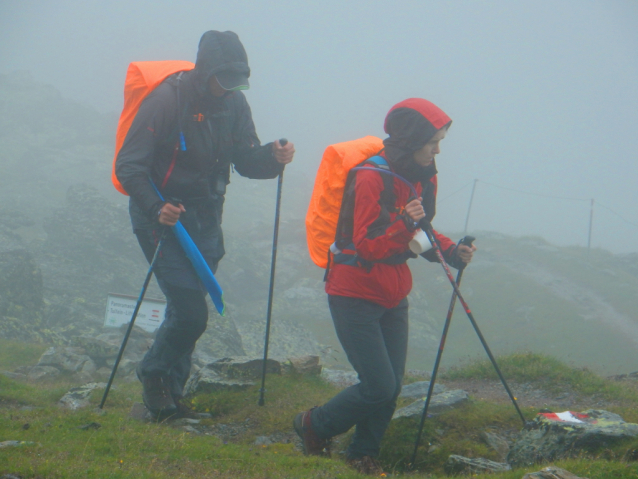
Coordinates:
[368,297]
[186,135]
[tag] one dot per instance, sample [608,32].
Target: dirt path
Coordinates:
[528,395]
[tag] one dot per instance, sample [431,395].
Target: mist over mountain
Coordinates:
[66,242]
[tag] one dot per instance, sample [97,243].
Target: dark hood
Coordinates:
[218,51]
[411,124]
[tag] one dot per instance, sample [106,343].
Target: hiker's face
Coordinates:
[215,88]
[425,156]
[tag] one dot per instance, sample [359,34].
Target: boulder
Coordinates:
[420,389]
[126,366]
[21,292]
[43,373]
[306,365]
[103,372]
[99,347]
[229,373]
[244,368]
[77,398]
[208,380]
[81,377]
[140,413]
[340,377]
[550,437]
[5,444]
[439,403]
[496,442]
[64,358]
[464,465]
[200,359]
[221,338]
[552,472]
[14,375]
[89,367]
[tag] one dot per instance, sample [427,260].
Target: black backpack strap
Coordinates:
[343,235]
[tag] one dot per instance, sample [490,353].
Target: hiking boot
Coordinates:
[312,444]
[367,465]
[157,397]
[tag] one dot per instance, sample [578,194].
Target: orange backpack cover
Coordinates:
[325,203]
[141,79]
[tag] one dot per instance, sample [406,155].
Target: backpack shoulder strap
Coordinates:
[379,161]
[388,197]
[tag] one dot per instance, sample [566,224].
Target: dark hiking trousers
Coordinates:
[375,340]
[186,312]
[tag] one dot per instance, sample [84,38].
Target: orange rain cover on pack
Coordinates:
[141,79]
[325,203]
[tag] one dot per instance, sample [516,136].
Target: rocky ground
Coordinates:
[505,442]
[529,395]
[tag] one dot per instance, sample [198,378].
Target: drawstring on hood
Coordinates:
[410,124]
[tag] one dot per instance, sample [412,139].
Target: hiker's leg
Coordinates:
[357,323]
[369,432]
[185,322]
[180,372]
[186,309]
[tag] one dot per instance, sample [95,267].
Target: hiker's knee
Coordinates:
[381,392]
[190,309]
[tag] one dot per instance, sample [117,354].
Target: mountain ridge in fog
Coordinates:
[525,292]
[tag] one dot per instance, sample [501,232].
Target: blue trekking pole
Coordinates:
[133,317]
[273,261]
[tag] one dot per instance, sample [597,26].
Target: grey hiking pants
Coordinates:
[375,340]
[186,312]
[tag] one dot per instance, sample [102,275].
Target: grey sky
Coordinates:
[543,94]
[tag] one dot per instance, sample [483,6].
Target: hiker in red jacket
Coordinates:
[186,136]
[369,281]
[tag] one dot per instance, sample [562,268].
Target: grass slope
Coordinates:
[58,443]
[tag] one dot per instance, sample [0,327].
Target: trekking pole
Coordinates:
[467,240]
[427,227]
[132,321]
[273,261]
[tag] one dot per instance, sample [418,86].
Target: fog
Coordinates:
[542,94]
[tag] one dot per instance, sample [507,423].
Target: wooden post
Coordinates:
[591,220]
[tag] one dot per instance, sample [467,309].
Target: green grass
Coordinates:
[546,372]
[123,448]
[14,354]
[56,447]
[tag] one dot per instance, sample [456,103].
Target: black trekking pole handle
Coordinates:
[262,390]
[427,227]
[467,241]
[134,316]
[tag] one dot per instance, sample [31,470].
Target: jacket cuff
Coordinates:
[154,211]
[409,223]
[449,255]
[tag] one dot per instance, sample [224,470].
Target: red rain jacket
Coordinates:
[379,233]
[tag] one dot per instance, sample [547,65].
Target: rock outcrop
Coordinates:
[557,436]
[438,403]
[21,295]
[552,472]
[464,465]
